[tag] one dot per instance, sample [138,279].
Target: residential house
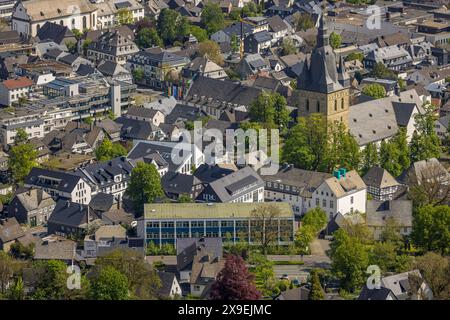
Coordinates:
[442,126]
[177,184]
[234,30]
[170,288]
[110,177]
[135,130]
[114,71]
[110,128]
[400,286]
[59,34]
[389,213]
[13,90]
[253,64]
[153,116]
[57,248]
[259,42]
[70,218]
[190,155]
[108,13]
[381,185]
[244,185]
[278,28]
[199,260]
[112,46]
[203,66]
[343,193]
[157,64]
[60,184]
[10,232]
[393,57]
[32,207]
[295,186]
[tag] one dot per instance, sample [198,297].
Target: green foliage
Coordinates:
[355,56]
[20,251]
[369,158]
[314,144]
[124,16]
[51,280]
[199,33]
[148,37]
[212,50]
[16,291]
[311,224]
[316,292]
[212,18]
[144,186]
[109,284]
[304,22]
[71,46]
[262,268]
[88,120]
[435,270]
[138,74]
[374,90]
[394,154]
[6,271]
[288,47]
[22,158]
[21,136]
[425,142]
[350,258]
[234,43]
[108,150]
[250,9]
[335,40]
[304,236]
[142,280]
[185,198]
[431,228]
[270,110]
[172,26]
[380,71]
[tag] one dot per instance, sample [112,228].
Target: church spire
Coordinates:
[323,36]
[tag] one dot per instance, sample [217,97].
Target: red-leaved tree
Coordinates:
[234,282]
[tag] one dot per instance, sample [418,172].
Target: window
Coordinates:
[318,106]
[307,104]
[351,199]
[335,105]
[84,23]
[331,204]
[324,203]
[317,202]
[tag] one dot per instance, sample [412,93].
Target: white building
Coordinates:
[345,192]
[29,16]
[12,90]
[109,11]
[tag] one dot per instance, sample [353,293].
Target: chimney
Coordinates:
[343,172]
[337,174]
[68,204]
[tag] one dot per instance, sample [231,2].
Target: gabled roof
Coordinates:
[71,214]
[348,183]
[136,129]
[379,212]
[379,178]
[21,82]
[276,24]
[67,181]
[376,294]
[33,199]
[135,111]
[55,32]
[178,183]
[10,230]
[403,112]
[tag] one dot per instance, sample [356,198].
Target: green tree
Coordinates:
[199,33]
[431,228]
[234,43]
[315,217]
[109,284]
[138,74]
[172,26]
[270,110]
[383,254]
[185,198]
[389,155]
[335,40]
[212,18]
[144,186]
[212,50]
[303,238]
[21,136]
[380,71]
[304,22]
[425,142]
[147,37]
[288,47]
[142,280]
[314,144]
[72,46]
[349,260]
[316,292]
[6,271]
[355,56]
[108,150]
[124,16]
[435,270]
[51,280]
[369,158]
[22,158]
[16,291]
[88,120]
[374,90]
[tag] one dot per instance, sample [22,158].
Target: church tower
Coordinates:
[323,86]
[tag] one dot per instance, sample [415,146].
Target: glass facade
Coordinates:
[231,230]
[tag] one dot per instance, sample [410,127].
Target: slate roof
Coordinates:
[10,230]
[136,129]
[32,199]
[301,293]
[144,149]
[341,187]
[207,173]
[102,174]
[375,294]
[61,249]
[68,181]
[379,178]
[178,183]
[306,181]
[276,24]
[183,113]
[135,111]
[102,202]
[167,280]
[71,214]
[403,112]
[223,90]
[55,32]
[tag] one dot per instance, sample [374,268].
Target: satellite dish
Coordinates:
[134,224]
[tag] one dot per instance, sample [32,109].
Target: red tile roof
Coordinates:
[21,82]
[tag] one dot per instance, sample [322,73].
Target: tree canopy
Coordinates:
[212,18]
[108,150]
[374,90]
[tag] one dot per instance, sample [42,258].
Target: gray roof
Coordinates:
[102,202]
[178,183]
[378,212]
[187,249]
[142,112]
[136,129]
[306,181]
[208,173]
[67,181]
[276,24]
[403,112]
[56,250]
[167,279]
[375,294]
[10,230]
[71,214]
[379,178]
